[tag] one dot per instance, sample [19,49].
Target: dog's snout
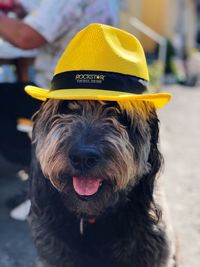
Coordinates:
[84,157]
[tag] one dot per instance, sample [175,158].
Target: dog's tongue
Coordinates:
[86,186]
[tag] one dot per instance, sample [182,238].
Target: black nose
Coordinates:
[84,157]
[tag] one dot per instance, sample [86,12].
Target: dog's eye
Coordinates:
[72,112]
[111,109]
[111,112]
[75,112]
[70,107]
[124,119]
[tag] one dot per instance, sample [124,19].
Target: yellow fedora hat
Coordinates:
[101,63]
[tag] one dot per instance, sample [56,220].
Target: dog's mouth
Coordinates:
[86,187]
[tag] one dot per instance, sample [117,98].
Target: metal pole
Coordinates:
[139,25]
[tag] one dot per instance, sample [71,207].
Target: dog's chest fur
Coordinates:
[124,238]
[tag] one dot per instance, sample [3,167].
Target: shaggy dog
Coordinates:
[93,181]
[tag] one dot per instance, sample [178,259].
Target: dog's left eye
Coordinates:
[65,109]
[75,112]
[124,120]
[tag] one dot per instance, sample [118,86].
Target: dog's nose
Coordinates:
[84,157]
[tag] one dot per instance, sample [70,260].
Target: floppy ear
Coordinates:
[142,123]
[143,128]
[136,117]
[155,159]
[146,185]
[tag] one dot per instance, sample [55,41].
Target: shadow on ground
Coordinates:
[16,248]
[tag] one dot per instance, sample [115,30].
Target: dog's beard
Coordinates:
[121,138]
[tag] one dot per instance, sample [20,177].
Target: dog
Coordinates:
[94,166]
[95,197]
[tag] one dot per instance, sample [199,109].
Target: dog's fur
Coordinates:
[128,230]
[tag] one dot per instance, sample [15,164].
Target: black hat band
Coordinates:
[99,80]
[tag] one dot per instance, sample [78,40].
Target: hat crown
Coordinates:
[101,47]
[101,63]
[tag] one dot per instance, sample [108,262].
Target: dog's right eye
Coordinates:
[75,112]
[69,108]
[72,112]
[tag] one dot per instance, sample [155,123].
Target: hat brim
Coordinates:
[159,100]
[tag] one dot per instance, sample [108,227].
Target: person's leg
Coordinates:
[15,103]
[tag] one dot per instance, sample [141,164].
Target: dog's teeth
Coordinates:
[100,184]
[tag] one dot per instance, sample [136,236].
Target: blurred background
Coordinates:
[169,31]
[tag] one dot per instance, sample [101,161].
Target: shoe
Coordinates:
[21,212]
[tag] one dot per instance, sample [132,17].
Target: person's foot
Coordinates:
[21,212]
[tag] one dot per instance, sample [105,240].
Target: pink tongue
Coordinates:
[86,186]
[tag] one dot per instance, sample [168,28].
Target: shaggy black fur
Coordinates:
[128,233]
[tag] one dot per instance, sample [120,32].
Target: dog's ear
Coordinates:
[146,185]
[43,116]
[155,158]
[138,120]
[142,125]
[143,128]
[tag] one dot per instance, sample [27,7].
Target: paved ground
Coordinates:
[180,136]
[16,248]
